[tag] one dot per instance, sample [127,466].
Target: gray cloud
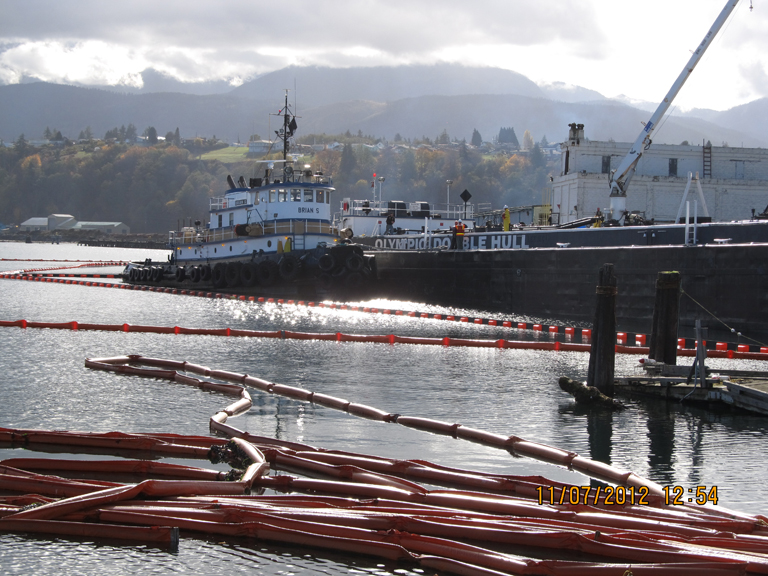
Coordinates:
[196,40]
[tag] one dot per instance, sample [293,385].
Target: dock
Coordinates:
[742,389]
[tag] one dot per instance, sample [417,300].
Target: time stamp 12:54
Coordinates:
[620,495]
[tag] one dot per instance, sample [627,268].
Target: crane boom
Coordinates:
[621,177]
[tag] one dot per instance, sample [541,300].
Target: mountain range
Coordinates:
[412,101]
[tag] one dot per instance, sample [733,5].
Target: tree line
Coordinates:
[151,188]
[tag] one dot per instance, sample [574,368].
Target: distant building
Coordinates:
[68,222]
[259,146]
[34,224]
[105,227]
[61,221]
[733,180]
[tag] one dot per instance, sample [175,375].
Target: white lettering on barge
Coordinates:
[474,242]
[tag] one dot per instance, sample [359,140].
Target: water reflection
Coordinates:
[511,392]
[661,436]
[600,431]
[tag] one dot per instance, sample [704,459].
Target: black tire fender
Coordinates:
[248,275]
[267,272]
[326,262]
[290,266]
[355,263]
[232,274]
[219,280]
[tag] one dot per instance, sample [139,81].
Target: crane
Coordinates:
[620,178]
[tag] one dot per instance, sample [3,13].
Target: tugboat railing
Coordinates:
[292,227]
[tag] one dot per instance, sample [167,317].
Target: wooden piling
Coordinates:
[663,346]
[603,351]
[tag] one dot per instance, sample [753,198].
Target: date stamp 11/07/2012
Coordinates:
[622,496]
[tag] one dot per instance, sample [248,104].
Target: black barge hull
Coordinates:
[730,281]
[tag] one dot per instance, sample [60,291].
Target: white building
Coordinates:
[734,180]
[68,222]
[260,147]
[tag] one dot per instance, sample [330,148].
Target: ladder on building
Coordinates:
[707,172]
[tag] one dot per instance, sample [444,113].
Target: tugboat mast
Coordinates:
[285,134]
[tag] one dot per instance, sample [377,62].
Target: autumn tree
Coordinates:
[527,140]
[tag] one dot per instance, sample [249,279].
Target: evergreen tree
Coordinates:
[21,146]
[47,134]
[443,138]
[131,133]
[348,164]
[477,140]
[150,133]
[177,137]
[508,136]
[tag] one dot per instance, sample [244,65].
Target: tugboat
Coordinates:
[273,232]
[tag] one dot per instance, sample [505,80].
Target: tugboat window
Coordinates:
[320,196]
[269,243]
[295,195]
[309,196]
[282,195]
[606,164]
[220,217]
[272,195]
[231,218]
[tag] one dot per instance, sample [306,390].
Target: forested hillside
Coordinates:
[152,188]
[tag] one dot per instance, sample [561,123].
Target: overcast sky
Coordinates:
[635,48]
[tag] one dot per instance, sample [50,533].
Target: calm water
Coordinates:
[45,385]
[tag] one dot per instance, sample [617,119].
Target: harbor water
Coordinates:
[44,385]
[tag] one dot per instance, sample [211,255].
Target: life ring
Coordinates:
[181,273]
[194,274]
[205,273]
[267,272]
[326,262]
[248,276]
[290,266]
[219,280]
[232,274]
[355,263]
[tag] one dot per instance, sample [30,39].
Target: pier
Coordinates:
[746,390]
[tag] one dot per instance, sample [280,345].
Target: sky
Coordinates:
[616,47]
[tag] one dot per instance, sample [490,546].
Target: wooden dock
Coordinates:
[741,389]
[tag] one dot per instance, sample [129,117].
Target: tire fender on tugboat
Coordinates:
[218,277]
[290,266]
[326,262]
